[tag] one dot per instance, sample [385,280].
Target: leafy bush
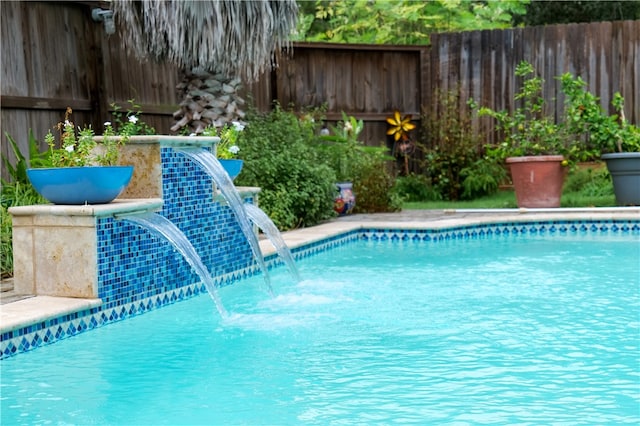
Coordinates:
[589,182]
[360,164]
[483,177]
[280,155]
[452,150]
[415,188]
[373,185]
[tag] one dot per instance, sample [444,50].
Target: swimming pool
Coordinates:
[468,326]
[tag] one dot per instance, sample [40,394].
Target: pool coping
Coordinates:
[33,310]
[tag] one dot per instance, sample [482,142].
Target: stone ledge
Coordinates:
[117,206]
[33,310]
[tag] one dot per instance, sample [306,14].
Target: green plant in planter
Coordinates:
[228,148]
[585,116]
[78,149]
[528,130]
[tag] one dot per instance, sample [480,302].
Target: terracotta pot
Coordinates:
[537,180]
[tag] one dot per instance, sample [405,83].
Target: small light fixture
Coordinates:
[106,16]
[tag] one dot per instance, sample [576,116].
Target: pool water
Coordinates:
[531,330]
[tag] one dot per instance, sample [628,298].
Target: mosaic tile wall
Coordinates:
[159,293]
[135,265]
[138,271]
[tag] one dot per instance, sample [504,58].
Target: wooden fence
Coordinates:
[54,55]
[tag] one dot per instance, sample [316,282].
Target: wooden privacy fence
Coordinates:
[370,82]
[54,55]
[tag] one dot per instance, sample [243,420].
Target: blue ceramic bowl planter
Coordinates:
[80,185]
[232,167]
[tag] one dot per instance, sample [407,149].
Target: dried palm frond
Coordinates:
[231,36]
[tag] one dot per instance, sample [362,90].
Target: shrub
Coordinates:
[482,177]
[589,182]
[452,149]
[415,188]
[362,165]
[373,186]
[281,158]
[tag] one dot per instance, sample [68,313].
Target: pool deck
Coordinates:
[17,310]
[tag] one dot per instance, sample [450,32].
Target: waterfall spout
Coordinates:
[162,227]
[214,169]
[260,218]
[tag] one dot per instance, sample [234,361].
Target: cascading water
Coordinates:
[214,169]
[164,228]
[264,222]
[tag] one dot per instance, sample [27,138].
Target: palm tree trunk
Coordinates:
[208,99]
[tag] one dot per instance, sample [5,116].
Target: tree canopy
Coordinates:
[541,12]
[401,21]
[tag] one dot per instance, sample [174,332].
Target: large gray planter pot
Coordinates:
[624,168]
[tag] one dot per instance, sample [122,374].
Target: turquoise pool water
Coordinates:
[527,330]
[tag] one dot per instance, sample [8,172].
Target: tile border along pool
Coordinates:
[32,322]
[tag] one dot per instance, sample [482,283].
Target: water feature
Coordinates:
[162,227]
[214,169]
[264,222]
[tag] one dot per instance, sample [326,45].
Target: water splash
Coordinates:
[260,218]
[164,228]
[214,169]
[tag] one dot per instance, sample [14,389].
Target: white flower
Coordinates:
[238,126]
[348,127]
[234,149]
[107,123]
[68,148]
[67,122]
[133,119]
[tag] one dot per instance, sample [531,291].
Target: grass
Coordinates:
[507,200]
[582,188]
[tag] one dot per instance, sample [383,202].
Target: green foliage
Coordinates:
[545,12]
[373,184]
[589,182]
[16,191]
[527,129]
[415,188]
[129,123]
[499,200]
[346,154]
[281,158]
[342,148]
[362,165]
[482,177]
[451,148]
[6,248]
[586,118]
[399,22]
[228,147]
[78,150]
